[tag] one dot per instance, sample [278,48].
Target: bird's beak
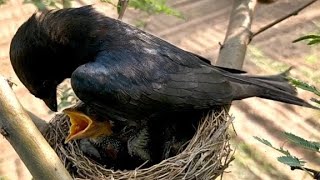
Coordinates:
[82,126]
[51,102]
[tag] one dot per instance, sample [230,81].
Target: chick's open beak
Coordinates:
[83,126]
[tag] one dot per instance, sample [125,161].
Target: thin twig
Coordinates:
[316,174]
[122,6]
[293,13]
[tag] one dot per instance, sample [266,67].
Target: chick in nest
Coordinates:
[117,146]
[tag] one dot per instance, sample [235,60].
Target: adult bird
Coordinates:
[124,73]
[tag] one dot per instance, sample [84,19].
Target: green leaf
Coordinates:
[154,7]
[301,142]
[38,3]
[109,2]
[303,85]
[291,161]
[264,141]
[314,41]
[307,37]
[317,144]
[286,152]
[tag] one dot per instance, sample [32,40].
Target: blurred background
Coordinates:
[199,26]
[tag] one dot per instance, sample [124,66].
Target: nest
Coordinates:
[206,156]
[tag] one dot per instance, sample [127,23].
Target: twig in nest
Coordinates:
[122,6]
[293,13]
[315,174]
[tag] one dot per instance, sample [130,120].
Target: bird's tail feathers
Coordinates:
[274,87]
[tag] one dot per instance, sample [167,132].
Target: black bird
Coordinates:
[125,73]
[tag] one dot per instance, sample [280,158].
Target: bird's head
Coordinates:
[49,46]
[33,65]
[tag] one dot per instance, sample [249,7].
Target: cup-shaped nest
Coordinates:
[206,156]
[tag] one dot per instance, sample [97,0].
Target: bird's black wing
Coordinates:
[149,80]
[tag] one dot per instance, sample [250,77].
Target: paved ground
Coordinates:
[203,28]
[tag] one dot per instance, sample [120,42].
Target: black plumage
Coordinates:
[119,69]
[126,74]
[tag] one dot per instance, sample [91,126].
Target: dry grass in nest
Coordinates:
[205,157]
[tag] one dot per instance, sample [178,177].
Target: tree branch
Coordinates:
[293,13]
[17,127]
[233,50]
[315,174]
[40,123]
[122,6]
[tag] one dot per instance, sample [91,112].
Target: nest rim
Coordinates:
[206,156]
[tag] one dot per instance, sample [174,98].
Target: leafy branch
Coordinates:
[293,161]
[266,142]
[310,145]
[305,86]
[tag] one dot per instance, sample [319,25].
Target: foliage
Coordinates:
[266,142]
[2,2]
[154,7]
[305,86]
[311,145]
[149,6]
[67,97]
[313,39]
[291,161]
[45,4]
[288,158]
